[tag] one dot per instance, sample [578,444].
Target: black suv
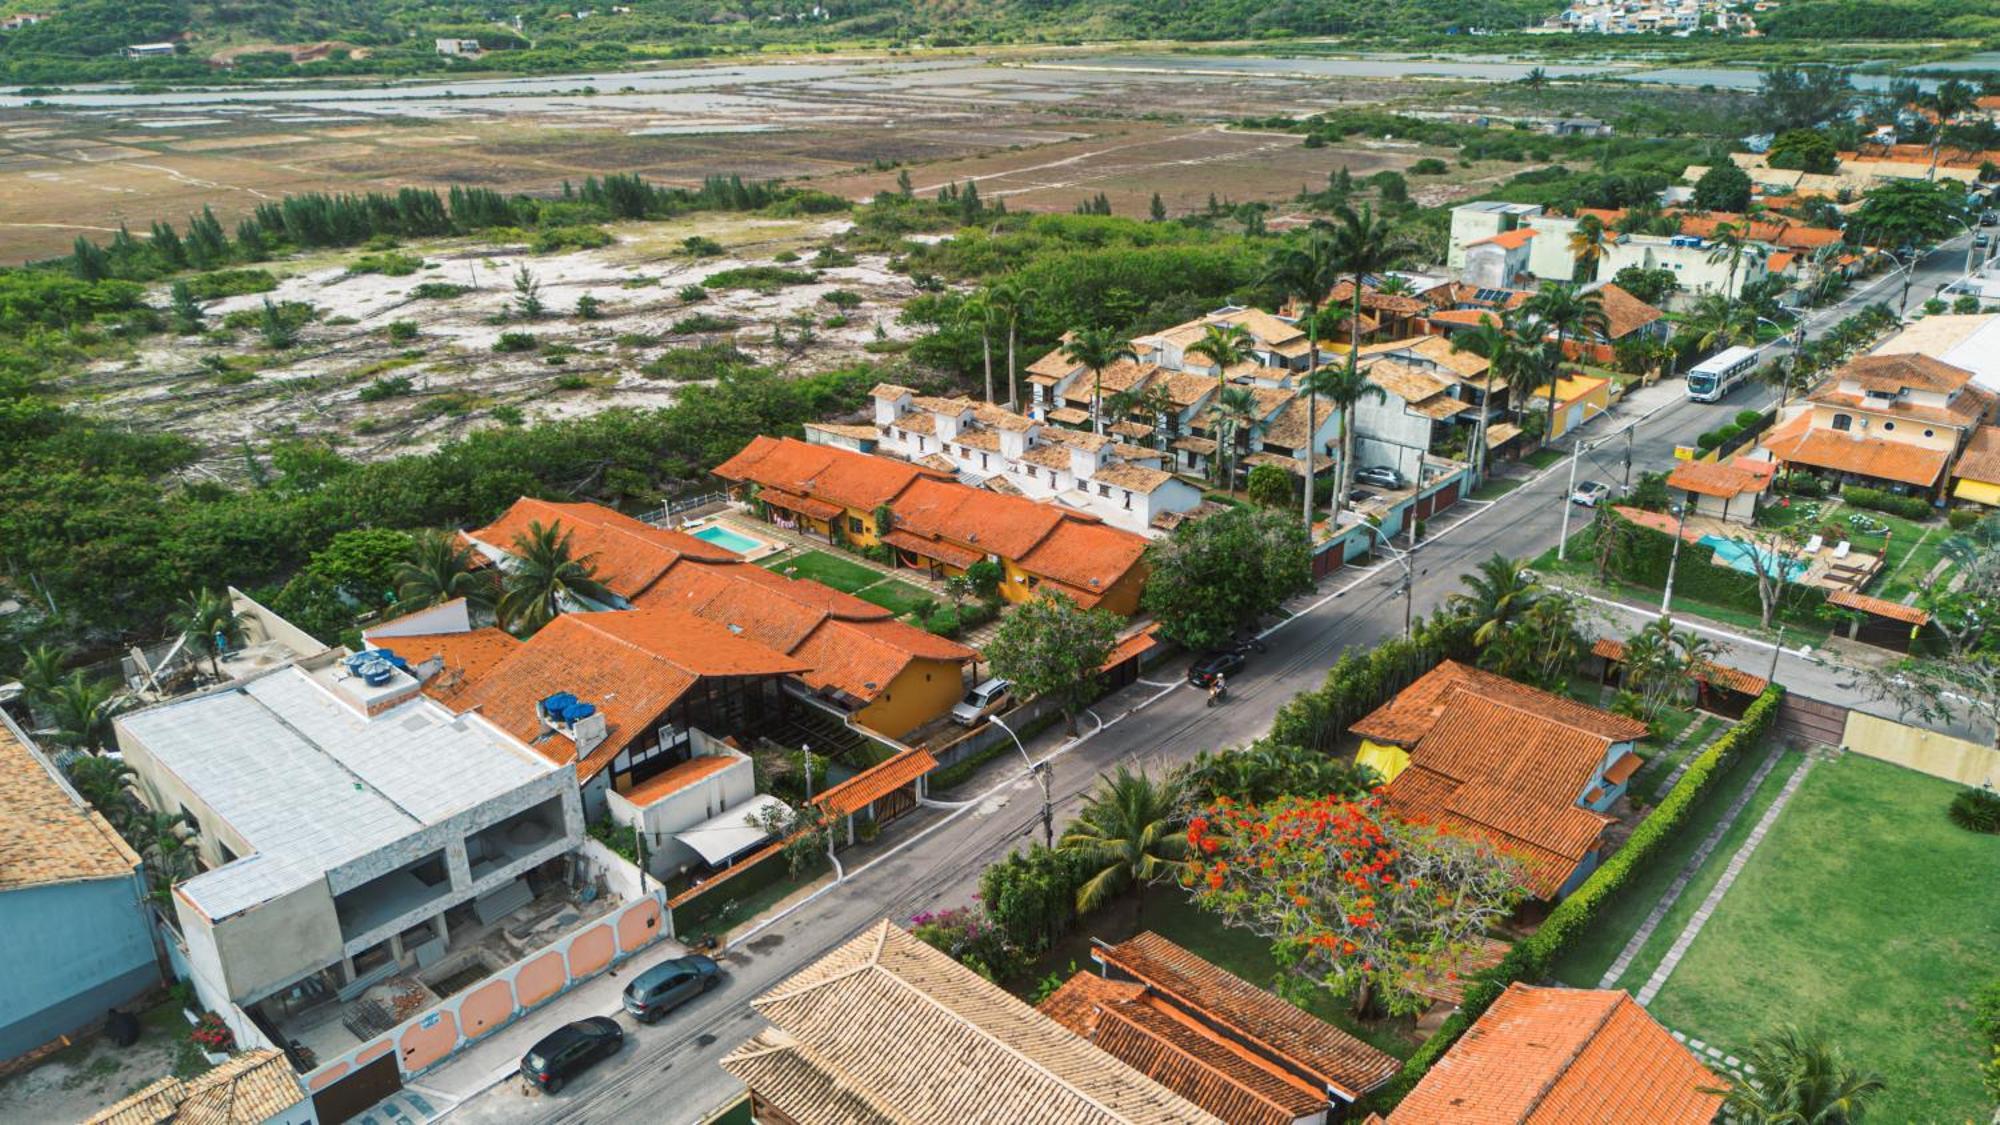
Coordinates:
[570,1050]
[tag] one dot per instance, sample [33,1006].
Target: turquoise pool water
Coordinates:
[723,537]
[1738,556]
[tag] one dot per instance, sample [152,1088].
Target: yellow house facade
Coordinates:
[921,692]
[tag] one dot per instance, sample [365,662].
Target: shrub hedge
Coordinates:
[1908,507]
[1531,958]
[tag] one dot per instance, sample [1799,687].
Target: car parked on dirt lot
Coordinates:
[669,984]
[1589,493]
[981,701]
[1223,662]
[570,1050]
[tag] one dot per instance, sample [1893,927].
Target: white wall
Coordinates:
[1387,433]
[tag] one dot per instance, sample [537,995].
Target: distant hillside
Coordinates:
[1884,19]
[83,40]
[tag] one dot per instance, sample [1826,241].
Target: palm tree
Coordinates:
[83,709]
[209,621]
[1127,832]
[1394,286]
[1799,1079]
[1344,387]
[1713,322]
[440,569]
[1586,246]
[1097,349]
[544,577]
[1363,244]
[1569,311]
[169,858]
[1500,591]
[1727,243]
[1497,343]
[978,312]
[41,671]
[1234,412]
[1307,274]
[1536,80]
[1225,346]
[1012,298]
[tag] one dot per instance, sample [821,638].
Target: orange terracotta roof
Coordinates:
[804,505]
[841,476]
[1904,370]
[1625,314]
[1867,457]
[677,778]
[47,836]
[1511,777]
[862,658]
[1408,717]
[1137,644]
[1879,607]
[1250,1015]
[1622,770]
[1981,459]
[937,549]
[1087,559]
[1713,478]
[1780,261]
[870,785]
[1470,318]
[1507,239]
[1721,675]
[1656,521]
[629,554]
[1969,406]
[631,664]
[1201,1066]
[463,658]
[1556,1056]
[1079,1002]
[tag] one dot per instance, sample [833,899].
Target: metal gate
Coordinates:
[1811,722]
[356,1093]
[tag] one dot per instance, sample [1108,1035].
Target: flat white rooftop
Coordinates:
[311,783]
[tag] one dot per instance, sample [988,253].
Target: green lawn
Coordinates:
[1867,916]
[1493,488]
[896,597]
[841,574]
[1543,458]
[1168,912]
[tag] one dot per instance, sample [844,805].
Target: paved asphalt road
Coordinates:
[670,1073]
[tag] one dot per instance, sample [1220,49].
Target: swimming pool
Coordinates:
[1742,557]
[723,537]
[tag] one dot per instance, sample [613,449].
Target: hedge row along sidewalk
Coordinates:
[1530,959]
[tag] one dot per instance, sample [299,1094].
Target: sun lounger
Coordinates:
[1814,544]
[1840,549]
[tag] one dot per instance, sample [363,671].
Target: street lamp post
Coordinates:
[1673,560]
[1043,772]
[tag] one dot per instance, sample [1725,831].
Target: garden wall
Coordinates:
[1926,751]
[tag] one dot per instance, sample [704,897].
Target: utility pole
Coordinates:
[806,754]
[1673,560]
[1775,650]
[1562,544]
[1046,771]
[1626,488]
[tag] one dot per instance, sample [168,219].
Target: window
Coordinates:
[854,523]
[1104,490]
[1128,499]
[982,460]
[1843,422]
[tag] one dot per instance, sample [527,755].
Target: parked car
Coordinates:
[1980,241]
[570,1050]
[1589,492]
[1223,662]
[1381,476]
[1360,496]
[669,984]
[983,700]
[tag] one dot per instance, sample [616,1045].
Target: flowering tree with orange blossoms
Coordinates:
[1352,899]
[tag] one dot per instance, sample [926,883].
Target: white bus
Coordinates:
[1719,374]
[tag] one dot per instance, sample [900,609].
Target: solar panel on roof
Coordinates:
[1492,295]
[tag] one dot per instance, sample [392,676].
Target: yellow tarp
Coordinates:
[1387,761]
[1979,492]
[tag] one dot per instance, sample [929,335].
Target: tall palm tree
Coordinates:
[1345,388]
[1126,831]
[1363,244]
[1013,299]
[1394,286]
[544,577]
[83,710]
[1500,591]
[1799,1079]
[1587,244]
[41,671]
[210,623]
[1234,412]
[1307,273]
[1225,346]
[978,312]
[1153,402]
[1097,349]
[1497,342]
[1727,243]
[439,569]
[1569,311]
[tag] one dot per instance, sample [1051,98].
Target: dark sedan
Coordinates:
[1214,664]
[570,1050]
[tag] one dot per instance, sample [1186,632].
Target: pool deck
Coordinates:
[765,547]
[1823,568]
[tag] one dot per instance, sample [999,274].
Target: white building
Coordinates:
[339,814]
[1123,484]
[458,48]
[1398,430]
[1513,245]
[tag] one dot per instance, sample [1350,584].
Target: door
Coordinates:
[357,1092]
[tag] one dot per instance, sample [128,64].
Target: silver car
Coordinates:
[982,701]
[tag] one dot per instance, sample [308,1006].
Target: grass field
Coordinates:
[831,570]
[896,597]
[1865,915]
